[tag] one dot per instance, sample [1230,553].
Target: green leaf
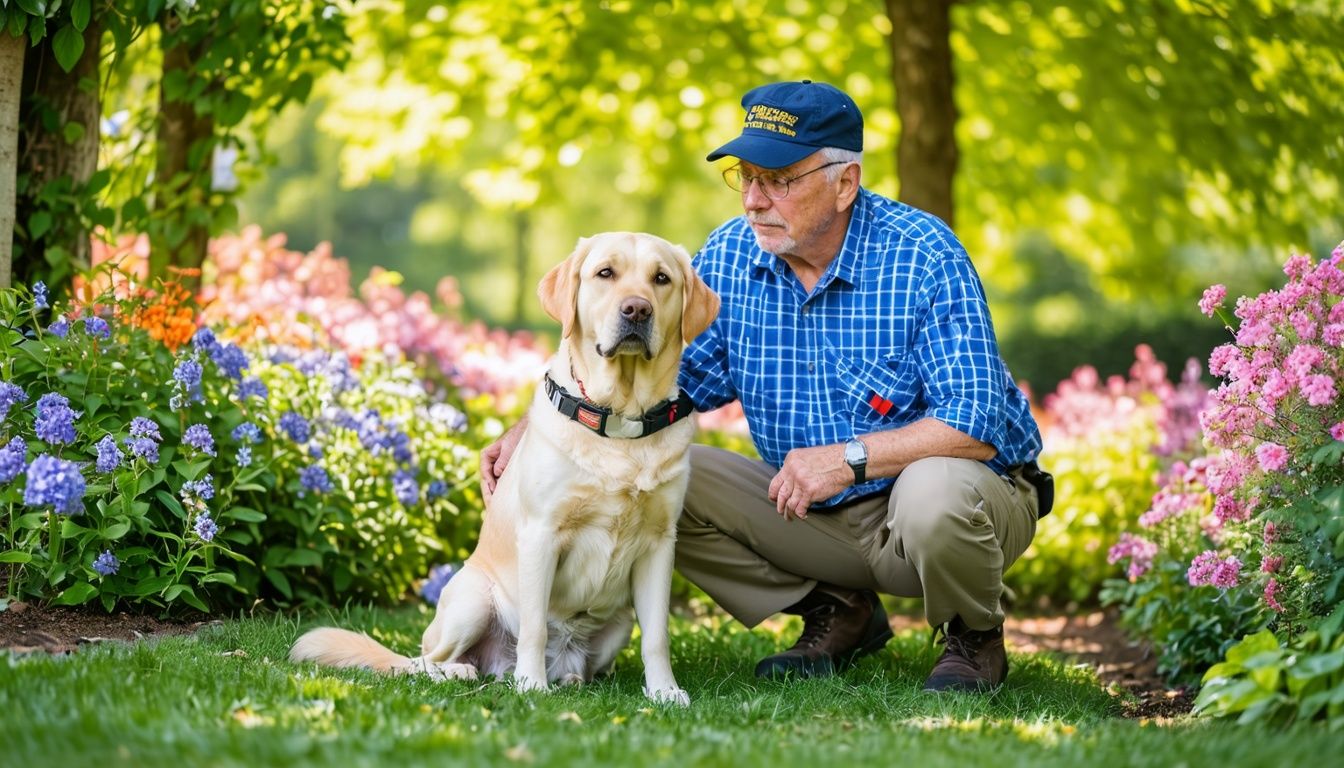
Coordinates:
[219,577]
[243,514]
[15,556]
[38,224]
[80,12]
[116,531]
[72,132]
[232,110]
[278,579]
[302,558]
[78,594]
[68,45]
[171,503]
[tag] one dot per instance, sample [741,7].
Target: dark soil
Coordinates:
[1092,638]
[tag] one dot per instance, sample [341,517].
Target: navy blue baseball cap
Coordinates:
[786,122]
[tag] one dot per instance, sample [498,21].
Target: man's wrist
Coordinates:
[856,456]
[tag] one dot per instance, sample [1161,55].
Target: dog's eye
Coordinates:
[605,273]
[661,279]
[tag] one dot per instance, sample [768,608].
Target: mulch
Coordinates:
[1092,638]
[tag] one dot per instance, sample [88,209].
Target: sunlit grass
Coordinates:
[228,696]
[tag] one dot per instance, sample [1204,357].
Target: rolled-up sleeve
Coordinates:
[957,353]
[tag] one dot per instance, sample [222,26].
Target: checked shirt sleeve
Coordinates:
[704,371]
[957,354]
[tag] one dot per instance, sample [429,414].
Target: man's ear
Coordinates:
[559,289]
[699,303]
[848,186]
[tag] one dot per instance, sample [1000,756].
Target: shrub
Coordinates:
[1274,486]
[1105,443]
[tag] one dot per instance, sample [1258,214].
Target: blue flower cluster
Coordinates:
[314,478]
[144,439]
[13,459]
[405,488]
[41,300]
[109,455]
[10,395]
[60,327]
[55,482]
[198,436]
[97,327]
[296,427]
[106,564]
[55,423]
[205,527]
[186,384]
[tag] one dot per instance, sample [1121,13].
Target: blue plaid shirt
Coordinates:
[896,330]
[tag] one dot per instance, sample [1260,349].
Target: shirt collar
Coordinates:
[846,264]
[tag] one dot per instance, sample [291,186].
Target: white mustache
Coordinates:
[769,222]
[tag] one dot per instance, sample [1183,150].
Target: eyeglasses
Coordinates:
[773,187]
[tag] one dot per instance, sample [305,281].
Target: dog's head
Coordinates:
[628,293]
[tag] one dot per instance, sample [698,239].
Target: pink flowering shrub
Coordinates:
[1105,443]
[1255,530]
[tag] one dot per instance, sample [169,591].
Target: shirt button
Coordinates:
[807,310]
[811,366]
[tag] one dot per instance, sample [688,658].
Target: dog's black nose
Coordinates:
[636,309]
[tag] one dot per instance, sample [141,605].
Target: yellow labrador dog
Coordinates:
[583,523]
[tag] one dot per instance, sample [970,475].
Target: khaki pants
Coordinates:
[946,532]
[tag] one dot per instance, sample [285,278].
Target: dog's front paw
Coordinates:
[529,683]
[674,696]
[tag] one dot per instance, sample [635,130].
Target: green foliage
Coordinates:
[1264,681]
[1190,628]
[1104,479]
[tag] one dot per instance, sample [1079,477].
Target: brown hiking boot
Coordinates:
[973,660]
[839,626]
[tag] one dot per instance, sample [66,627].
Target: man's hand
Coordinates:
[495,457]
[809,475]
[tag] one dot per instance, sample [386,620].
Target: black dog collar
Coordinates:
[607,424]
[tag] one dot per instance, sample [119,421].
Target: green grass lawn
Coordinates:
[227,696]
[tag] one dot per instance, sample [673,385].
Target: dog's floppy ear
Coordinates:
[559,289]
[699,303]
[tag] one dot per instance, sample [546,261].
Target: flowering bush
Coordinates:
[1260,523]
[106,484]
[1105,443]
[137,468]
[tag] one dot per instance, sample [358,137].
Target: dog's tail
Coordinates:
[342,648]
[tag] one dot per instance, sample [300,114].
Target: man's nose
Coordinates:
[754,197]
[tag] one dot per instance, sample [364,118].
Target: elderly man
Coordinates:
[898,455]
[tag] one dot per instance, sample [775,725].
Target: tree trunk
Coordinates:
[522,258]
[921,68]
[182,168]
[52,96]
[11,84]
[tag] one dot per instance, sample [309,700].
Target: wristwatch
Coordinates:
[856,456]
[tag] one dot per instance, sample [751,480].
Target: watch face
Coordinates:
[855,452]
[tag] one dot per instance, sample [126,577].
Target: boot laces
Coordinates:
[965,644]
[816,625]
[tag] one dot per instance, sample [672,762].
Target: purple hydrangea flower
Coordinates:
[253,387]
[230,359]
[314,478]
[203,489]
[198,436]
[204,340]
[55,423]
[56,482]
[405,488]
[97,327]
[205,527]
[60,328]
[296,427]
[438,579]
[40,298]
[106,564]
[109,455]
[12,459]
[10,394]
[143,427]
[143,448]
[247,432]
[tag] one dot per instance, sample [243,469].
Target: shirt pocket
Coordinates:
[877,394]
